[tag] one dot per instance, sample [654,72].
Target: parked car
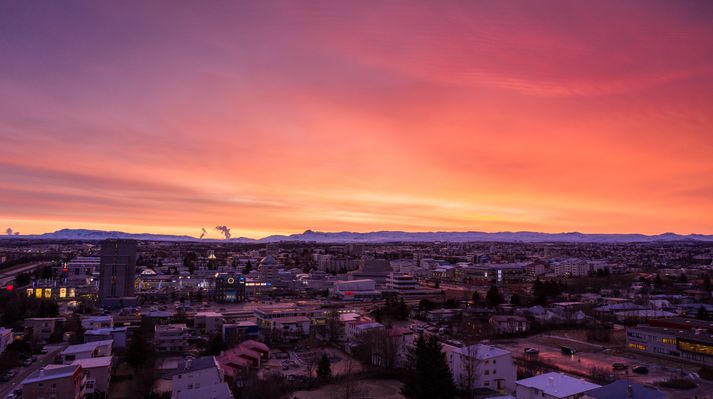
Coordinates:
[532,351]
[44,351]
[566,350]
[640,370]
[619,366]
[27,362]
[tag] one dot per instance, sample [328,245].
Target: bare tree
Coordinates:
[350,387]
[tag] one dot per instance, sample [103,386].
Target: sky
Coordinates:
[274,117]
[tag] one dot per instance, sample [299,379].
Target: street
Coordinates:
[24,372]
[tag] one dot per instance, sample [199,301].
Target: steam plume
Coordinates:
[203,232]
[9,232]
[225,230]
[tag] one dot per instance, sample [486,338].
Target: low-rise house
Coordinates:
[117,334]
[236,362]
[171,338]
[86,351]
[553,386]
[60,382]
[98,374]
[481,366]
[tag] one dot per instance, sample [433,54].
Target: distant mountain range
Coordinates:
[381,236]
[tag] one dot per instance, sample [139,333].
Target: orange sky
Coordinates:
[275,117]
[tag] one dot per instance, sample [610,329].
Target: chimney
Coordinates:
[551,381]
[42,372]
[630,391]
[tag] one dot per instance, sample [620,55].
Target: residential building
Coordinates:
[86,351]
[171,338]
[268,269]
[59,382]
[482,366]
[553,386]
[41,328]
[97,371]
[117,334]
[234,333]
[194,374]
[209,322]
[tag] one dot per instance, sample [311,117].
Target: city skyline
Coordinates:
[273,117]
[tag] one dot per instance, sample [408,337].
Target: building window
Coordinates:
[639,347]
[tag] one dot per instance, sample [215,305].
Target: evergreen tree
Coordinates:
[476,298]
[493,297]
[138,350]
[702,314]
[658,282]
[515,300]
[215,346]
[707,283]
[324,368]
[429,376]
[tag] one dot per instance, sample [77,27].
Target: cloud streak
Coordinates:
[274,117]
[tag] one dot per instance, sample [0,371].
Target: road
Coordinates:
[24,372]
[8,275]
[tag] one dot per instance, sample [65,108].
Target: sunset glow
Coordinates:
[276,117]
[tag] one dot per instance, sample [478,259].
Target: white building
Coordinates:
[171,338]
[86,351]
[98,374]
[209,322]
[268,269]
[193,377]
[552,386]
[572,267]
[482,366]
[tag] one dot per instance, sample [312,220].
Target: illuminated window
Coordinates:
[670,341]
[637,346]
[694,347]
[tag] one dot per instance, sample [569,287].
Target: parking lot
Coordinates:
[590,356]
